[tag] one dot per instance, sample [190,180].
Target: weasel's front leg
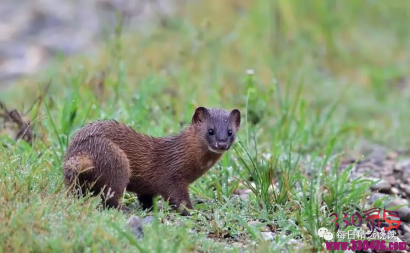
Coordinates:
[178,198]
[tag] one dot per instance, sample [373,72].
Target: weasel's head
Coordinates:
[217,127]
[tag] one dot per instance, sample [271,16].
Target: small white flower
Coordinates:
[250,72]
[267,156]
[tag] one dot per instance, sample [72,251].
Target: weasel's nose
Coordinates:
[222,145]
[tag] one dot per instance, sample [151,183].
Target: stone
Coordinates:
[388,166]
[403,165]
[377,153]
[244,196]
[392,156]
[50,27]
[406,189]
[147,220]
[293,241]
[254,223]
[18,59]
[381,186]
[135,225]
[406,237]
[405,228]
[258,224]
[398,168]
[269,236]
[395,191]
[356,175]
[348,160]
[375,196]
[404,211]
[396,202]
[390,179]
[242,191]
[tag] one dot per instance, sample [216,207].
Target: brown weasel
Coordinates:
[109,157]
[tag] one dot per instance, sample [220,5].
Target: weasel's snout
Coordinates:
[222,145]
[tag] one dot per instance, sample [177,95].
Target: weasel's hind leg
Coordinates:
[78,173]
[112,172]
[108,175]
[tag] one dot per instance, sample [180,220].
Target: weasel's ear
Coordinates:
[235,116]
[201,113]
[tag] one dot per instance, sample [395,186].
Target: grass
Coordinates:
[324,79]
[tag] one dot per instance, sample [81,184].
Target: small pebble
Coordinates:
[398,201]
[404,211]
[405,228]
[293,241]
[402,165]
[241,191]
[254,222]
[269,236]
[390,179]
[407,189]
[257,223]
[135,225]
[392,156]
[406,237]
[381,186]
[395,191]
[244,196]
[147,220]
[375,196]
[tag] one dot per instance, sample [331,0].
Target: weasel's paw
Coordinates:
[185,212]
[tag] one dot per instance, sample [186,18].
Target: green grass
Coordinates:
[325,75]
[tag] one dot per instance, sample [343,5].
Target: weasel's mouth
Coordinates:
[216,150]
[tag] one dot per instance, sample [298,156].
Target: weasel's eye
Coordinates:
[211,132]
[230,132]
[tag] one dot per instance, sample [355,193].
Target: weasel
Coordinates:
[109,157]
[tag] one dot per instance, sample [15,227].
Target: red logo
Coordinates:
[372,217]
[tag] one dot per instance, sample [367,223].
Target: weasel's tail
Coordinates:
[73,167]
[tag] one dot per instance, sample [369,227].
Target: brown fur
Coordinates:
[111,157]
